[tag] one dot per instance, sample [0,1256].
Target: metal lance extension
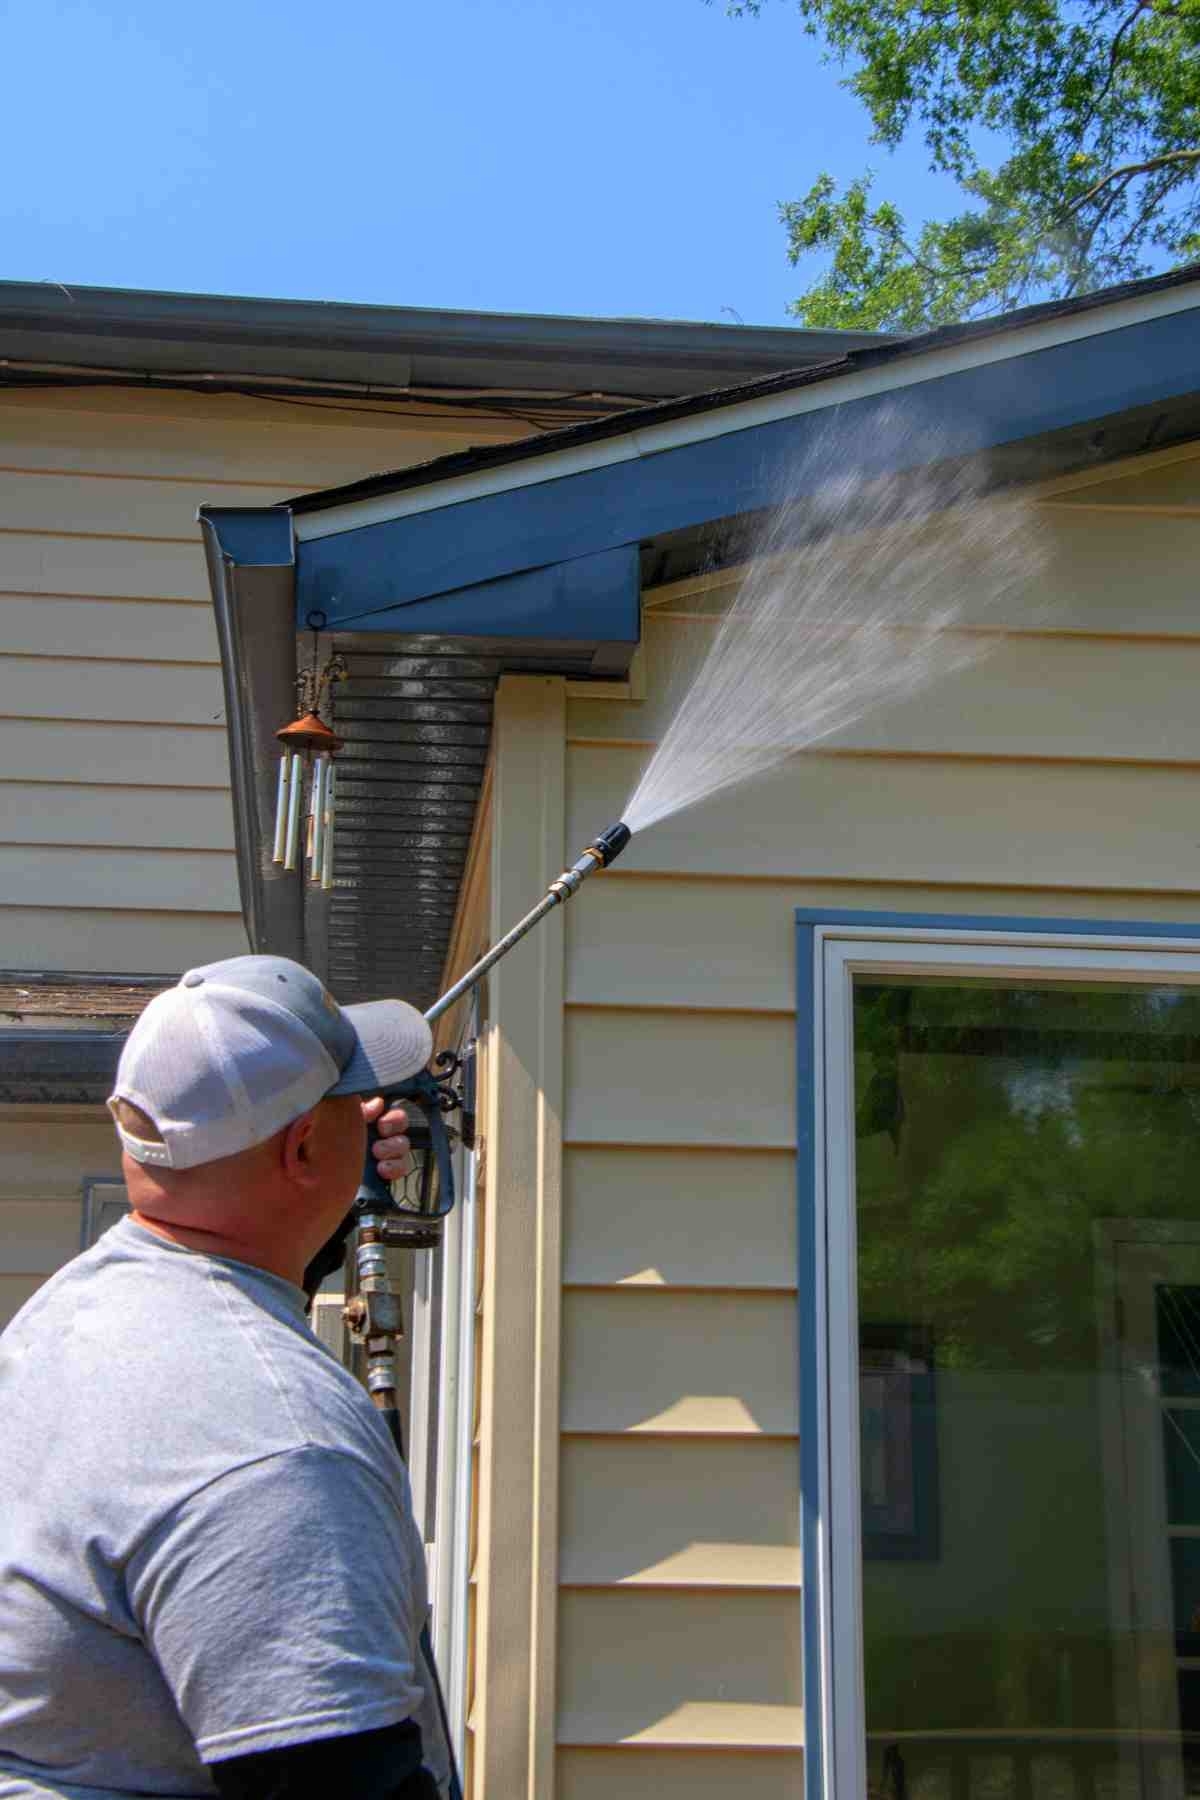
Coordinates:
[373,1315]
[602,851]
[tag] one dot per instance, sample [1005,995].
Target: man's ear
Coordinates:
[297,1149]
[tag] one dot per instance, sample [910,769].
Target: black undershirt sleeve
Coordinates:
[370,1765]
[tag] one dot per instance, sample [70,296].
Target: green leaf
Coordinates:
[1070,127]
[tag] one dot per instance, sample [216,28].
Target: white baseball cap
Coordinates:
[238,1049]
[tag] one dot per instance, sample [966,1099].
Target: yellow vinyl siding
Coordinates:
[641,1359]
[116,836]
[669,1218]
[666,1512]
[61,686]
[1069,692]
[679,1668]
[41,500]
[151,818]
[123,943]
[143,630]
[1056,777]
[45,1155]
[933,821]
[663,1078]
[81,876]
[217,441]
[104,755]
[710,1774]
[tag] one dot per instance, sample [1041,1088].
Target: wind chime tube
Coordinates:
[327,843]
[281,805]
[291,850]
[316,819]
[310,817]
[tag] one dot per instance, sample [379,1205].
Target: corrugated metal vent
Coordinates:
[416,722]
[415,716]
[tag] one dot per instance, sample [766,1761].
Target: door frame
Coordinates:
[833,947]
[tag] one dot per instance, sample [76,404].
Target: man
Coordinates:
[210,1577]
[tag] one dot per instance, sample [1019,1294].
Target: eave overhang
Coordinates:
[1019,393]
[415,720]
[528,557]
[61,1035]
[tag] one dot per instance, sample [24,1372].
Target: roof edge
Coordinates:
[664,412]
[399,346]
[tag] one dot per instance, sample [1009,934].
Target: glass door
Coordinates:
[1019,1225]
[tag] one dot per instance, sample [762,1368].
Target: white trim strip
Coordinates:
[742,415]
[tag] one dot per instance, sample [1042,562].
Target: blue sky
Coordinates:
[619,157]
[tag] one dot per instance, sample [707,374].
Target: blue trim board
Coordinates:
[594,599]
[368,569]
[808,919]
[812,916]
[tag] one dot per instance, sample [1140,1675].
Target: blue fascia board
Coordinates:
[370,568]
[810,919]
[252,536]
[593,599]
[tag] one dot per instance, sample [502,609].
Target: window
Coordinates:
[1003,1363]
[104,1202]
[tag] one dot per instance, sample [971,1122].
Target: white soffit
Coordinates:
[720,421]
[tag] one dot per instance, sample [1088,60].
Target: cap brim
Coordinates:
[394,1041]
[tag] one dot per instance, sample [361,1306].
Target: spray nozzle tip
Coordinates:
[610,843]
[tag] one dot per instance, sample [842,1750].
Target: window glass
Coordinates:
[1028,1244]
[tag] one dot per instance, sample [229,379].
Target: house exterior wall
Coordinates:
[1057,778]
[116,833]
[46,1152]
[116,837]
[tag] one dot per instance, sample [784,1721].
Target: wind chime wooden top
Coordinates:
[309,746]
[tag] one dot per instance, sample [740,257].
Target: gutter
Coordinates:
[391,346]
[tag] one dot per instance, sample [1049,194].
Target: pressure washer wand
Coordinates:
[600,852]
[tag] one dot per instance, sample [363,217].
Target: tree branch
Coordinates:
[1125,25]
[1127,173]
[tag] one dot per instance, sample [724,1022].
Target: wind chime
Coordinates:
[308,751]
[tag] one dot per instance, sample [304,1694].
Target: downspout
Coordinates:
[254,609]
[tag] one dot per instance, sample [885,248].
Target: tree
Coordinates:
[1072,128]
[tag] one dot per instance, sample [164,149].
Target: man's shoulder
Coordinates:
[201,1363]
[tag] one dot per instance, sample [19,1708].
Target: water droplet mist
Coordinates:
[857,595]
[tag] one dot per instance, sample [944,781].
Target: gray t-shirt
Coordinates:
[206,1537]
